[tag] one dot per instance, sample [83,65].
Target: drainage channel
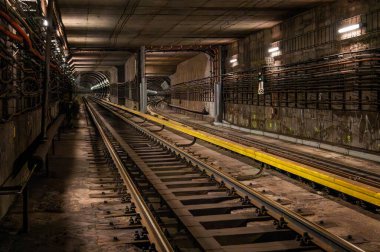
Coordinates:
[220,214]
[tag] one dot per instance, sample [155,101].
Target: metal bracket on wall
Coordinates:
[188,144]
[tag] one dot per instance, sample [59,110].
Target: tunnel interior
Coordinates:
[203,125]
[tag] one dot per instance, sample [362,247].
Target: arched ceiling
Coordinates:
[91,79]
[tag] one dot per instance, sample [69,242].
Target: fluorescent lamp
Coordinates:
[45,23]
[349,28]
[273,49]
[233,60]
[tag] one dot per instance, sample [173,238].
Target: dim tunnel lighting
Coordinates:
[273,49]
[45,23]
[349,28]
[233,60]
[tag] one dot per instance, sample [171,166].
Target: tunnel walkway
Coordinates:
[63,217]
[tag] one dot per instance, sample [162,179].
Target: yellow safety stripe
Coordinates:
[357,190]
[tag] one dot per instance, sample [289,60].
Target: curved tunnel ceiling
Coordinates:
[90,80]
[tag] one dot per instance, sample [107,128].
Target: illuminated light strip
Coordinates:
[355,189]
[233,60]
[349,28]
[273,49]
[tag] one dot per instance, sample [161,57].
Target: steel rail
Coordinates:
[352,188]
[365,177]
[320,236]
[154,230]
[352,173]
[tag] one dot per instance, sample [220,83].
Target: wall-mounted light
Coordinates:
[234,60]
[349,28]
[45,23]
[273,49]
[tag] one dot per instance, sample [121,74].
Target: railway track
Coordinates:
[352,173]
[112,200]
[199,208]
[122,208]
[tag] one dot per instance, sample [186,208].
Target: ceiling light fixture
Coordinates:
[273,49]
[233,60]
[349,28]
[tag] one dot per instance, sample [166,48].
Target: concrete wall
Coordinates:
[130,68]
[121,93]
[130,75]
[16,136]
[198,67]
[195,68]
[310,35]
[353,129]
[113,74]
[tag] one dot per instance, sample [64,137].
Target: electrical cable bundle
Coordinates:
[22,60]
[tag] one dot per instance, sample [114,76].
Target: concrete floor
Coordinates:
[63,217]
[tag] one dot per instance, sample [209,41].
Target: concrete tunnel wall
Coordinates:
[252,51]
[350,128]
[123,94]
[130,76]
[194,68]
[17,135]
[198,67]
[113,79]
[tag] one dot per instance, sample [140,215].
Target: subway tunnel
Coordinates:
[203,125]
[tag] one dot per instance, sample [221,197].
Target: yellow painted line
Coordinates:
[355,189]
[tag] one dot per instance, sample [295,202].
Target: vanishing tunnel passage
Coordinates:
[210,125]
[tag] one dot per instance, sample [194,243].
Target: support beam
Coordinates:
[143,84]
[218,102]
[25,210]
[218,94]
[130,91]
